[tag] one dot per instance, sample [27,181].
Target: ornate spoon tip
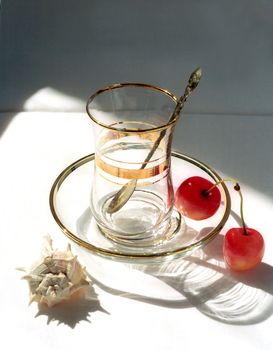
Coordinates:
[195,78]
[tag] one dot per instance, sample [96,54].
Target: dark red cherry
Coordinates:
[197,198]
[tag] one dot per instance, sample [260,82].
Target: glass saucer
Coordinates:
[69,204]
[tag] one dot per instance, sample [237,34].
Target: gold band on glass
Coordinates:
[131,174]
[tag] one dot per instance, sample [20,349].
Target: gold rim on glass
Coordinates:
[121,85]
[180,251]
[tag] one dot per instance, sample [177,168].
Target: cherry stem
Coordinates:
[238,189]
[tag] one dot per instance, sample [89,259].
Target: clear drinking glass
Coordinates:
[128,119]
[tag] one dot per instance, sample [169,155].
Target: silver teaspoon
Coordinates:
[126,191]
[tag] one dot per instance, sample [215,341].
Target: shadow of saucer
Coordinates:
[71,312]
[199,280]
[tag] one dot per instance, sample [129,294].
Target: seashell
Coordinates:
[56,276]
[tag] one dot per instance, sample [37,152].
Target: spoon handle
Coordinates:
[192,84]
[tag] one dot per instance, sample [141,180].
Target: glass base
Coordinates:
[149,238]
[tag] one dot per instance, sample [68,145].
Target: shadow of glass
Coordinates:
[199,280]
[74,310]
[203,281]
[217,292]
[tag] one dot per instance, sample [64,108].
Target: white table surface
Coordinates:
[144,308]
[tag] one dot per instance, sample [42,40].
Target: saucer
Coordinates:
[69,204]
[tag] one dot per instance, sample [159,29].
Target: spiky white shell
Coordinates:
[56,276]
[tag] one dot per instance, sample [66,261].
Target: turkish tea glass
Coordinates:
[128,119]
